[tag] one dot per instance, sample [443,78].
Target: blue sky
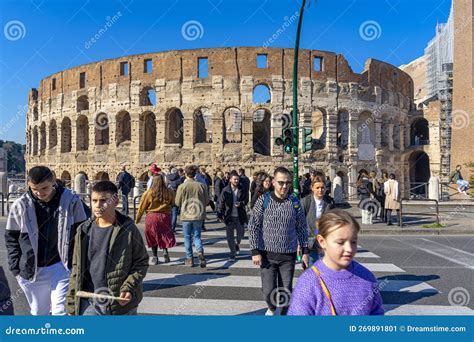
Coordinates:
[41,37]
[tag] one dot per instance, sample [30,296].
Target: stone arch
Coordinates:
[319,127]
[419,166]
[82,133]
[53,134]
[35,112]
[66,135]
[232,123]
[42,142]
[202,125]
[82,103]
[123,131]
[147,136]
[101,128]
[261,94]
[419,132]
[261,131]
[396,135]
[35,141]
[342,129]
[366,128]
[174,130]
[147,96]
[102,175]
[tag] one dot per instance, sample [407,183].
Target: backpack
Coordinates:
[131,183]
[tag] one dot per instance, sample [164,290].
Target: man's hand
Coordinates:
[305,261]
[127,297]
[257,259]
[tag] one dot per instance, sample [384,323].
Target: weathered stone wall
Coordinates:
[109,122]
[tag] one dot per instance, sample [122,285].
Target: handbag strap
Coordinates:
[326,291]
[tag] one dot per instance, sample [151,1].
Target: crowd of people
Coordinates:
[68,259]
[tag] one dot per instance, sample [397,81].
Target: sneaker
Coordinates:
[166,257]
[202,260]
[237,249]
[232,258]
[189,262]
[153,261]
[270,312]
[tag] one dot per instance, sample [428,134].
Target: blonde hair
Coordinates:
[335,219]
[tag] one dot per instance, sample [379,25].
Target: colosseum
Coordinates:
[224,108]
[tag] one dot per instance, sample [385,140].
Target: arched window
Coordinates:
[82,133]
[123,131]
[66,135]
[202,125]
[419,132]
[261,132]
[174,127]
[101,127]
[147,131]
[261,94]
[82,103]
[232,125]
[53,134]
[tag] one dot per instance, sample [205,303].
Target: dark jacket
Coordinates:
[174,180]
[245,183]
[306,188]
[365,190]
[226,203]
[126,182]
[126,267]
[309,205]
[219,185]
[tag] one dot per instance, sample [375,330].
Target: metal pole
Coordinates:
[295,126]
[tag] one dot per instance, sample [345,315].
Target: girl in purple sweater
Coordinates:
[336,284]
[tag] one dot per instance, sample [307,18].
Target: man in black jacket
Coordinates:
[174,180]
[232,203]
[126,184]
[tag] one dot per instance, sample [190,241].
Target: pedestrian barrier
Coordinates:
[419,191]
[436,214]
[135,206]
[3,199]
[8,198]
[449,190]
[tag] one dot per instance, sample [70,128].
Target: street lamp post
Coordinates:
[295,126]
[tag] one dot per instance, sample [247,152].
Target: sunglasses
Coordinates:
[282,183]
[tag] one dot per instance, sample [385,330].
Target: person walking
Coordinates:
[110,258]
[39,239]
[244,180]
[264,185]
[232,212]
[126,183]
[277,226]
[173,182]
[337,284]
[153,171]
[191,199]
[219,185]
[392,198]
[314,206]
[157,203]
[365,191]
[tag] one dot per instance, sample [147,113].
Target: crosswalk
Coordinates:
[234,287]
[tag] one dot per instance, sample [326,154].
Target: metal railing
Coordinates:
[448,190]
[135,206]
[436,214]
[3,203]
[418,191]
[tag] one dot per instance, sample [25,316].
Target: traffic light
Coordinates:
[307,139]
[288,140]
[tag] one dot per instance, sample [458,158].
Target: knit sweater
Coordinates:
[278,228]
[354,292]
[150,204]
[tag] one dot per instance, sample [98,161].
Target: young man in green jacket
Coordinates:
[109,258]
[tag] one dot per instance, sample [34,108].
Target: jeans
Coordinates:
[174,217]
[277,283]
[389,216]
[234,224]
[48,292]
[192,228]
[88,308]
[462,185]
[125,204]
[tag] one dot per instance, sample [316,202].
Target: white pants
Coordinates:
[366,216]
[47,294]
